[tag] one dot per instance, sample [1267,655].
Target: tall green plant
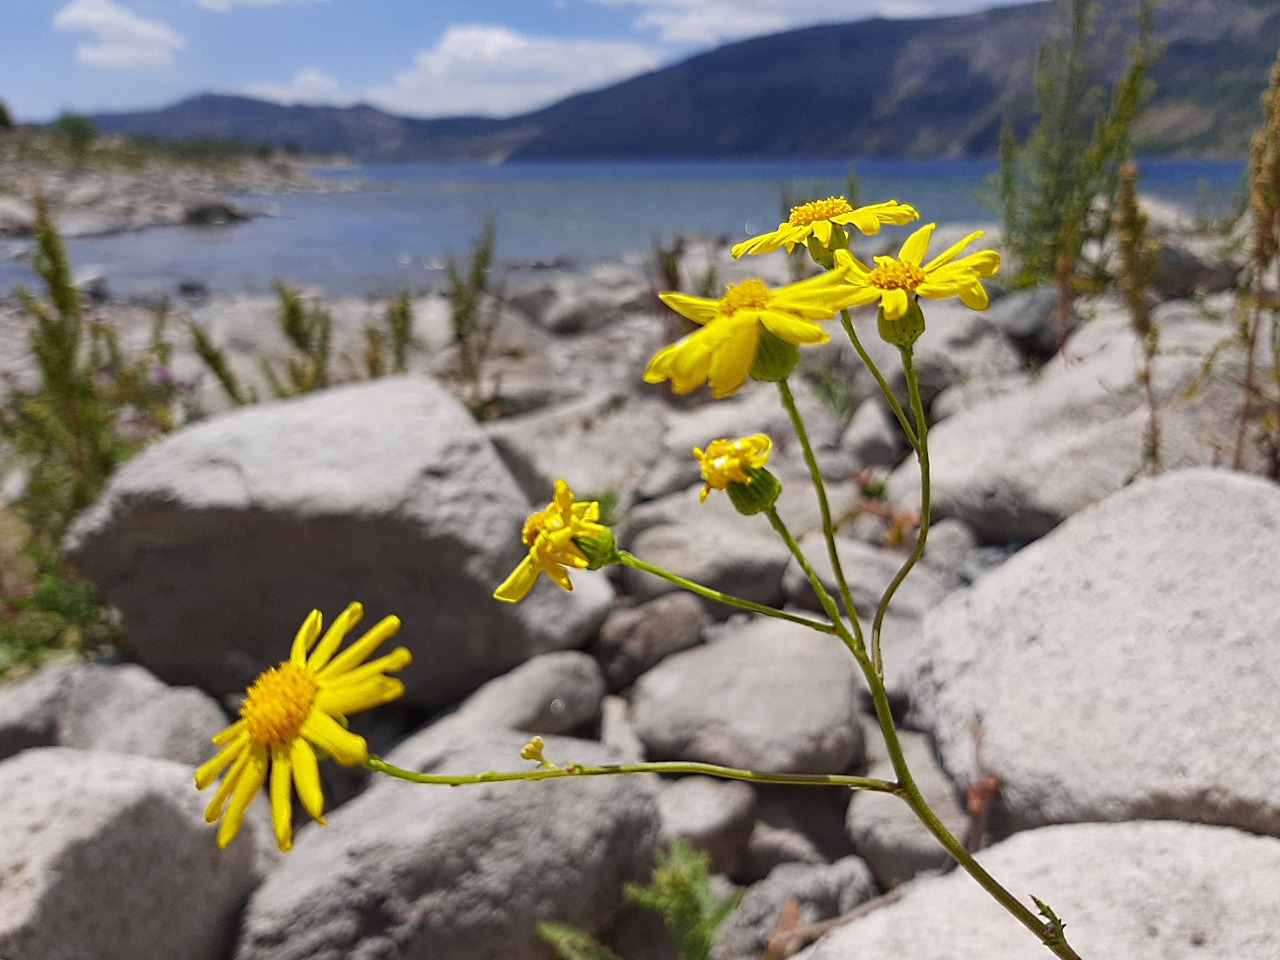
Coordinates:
[309,329]
[1055,190]
[475,307]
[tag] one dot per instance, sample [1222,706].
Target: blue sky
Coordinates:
[412,57]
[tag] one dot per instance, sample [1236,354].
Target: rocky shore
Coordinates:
[1092,645]
[111,191]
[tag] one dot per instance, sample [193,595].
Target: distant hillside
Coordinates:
[918,88]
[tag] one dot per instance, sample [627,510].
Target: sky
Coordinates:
[422,58]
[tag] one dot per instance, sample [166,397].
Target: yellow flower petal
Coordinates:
[281,793]
[334,636]
[306,778]
[330,736]
[698,309]
[355,697]
[517,586]
[247,785]
[732,362]
[916,245]
[307,634]
[792,330]
[952,251]
[208,771]
[359,651]
[894,303]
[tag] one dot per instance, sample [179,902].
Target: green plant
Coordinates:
[389,348]
[92,410]
[77,132]
[6,118]
[215,359]
[1137,264]
[1054,191]
[308,328]
[475,308]
[679,891]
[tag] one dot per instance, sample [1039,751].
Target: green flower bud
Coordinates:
[904,331]
[600,550]
[775,358]
[758,495]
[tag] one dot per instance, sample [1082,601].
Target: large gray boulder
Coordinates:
[100,706]
[216,542]
[466,873]
[1124,666]
[1142,891]
[1017,465]
[109,856]
[765,694]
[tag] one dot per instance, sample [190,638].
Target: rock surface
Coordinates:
[95,845]
[1142,891]
[244,522]
[443,873]
[1124,666]
[767,695]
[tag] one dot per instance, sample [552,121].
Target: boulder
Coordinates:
[767,695]
[885,831]
[604,444]
[465,873]
[636,639]
[119,707]
[1017,465]
[1142,891]
[1124,666]
[1193,266]
[217,541]
[795,825]
[551,693]
[874,437]
[715,816]
[109,856]
[819,891]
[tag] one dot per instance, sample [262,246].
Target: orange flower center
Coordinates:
[748,295]
[278,703]
[896,276]
[807,213]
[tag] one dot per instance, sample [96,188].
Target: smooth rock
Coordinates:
[715,816]
[636,639]
[868,571]
[1124,666]
[109,856]
[1027,318]
[795,825]
[769,695]
[1192,266]
[119,707]
[217,541]
[820,892]
[434,872]
[1017,465]
[602,444]
[551,693]
[885,832]
[1142,891]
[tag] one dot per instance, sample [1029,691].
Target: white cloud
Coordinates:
[494,71]
[122,40]
[307,86]
[224,6]
[706,22]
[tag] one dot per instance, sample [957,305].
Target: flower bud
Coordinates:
[904,331]
[600,550]
[758,494]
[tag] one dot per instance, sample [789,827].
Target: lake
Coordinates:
[396,232]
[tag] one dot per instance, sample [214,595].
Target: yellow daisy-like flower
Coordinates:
[895,283]
[724,350]
[818,218]
[291,710]
[549,535]
[727,461]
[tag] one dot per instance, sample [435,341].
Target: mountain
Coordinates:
[892,88]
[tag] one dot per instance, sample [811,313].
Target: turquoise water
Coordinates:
[396,232]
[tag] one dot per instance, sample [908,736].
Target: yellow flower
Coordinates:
[724,350]
[818,218]
[549,535]
[727,461]
[291,710]
[895,283]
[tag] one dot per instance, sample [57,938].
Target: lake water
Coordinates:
[397,231]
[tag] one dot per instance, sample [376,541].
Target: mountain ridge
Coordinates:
[937,87]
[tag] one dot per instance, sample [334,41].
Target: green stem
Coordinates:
[896,407]
[378,765]
[926,496]
[852,641]
[824,506]
[630,560]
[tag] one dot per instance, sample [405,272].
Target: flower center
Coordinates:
[278,703]
[896,275]
[748,295]
[807,213]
